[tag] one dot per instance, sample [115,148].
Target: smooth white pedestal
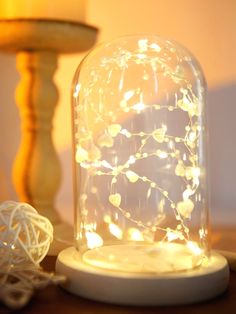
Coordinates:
[199,284]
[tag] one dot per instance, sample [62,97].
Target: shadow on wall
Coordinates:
[222,153]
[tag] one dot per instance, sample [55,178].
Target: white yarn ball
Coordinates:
[25,236]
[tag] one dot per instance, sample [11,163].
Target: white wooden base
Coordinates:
[199,284]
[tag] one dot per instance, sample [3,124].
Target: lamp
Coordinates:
[141,200]
[38,32]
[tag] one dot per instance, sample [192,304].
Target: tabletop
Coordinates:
[55,300]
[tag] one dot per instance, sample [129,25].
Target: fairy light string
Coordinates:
[91,144]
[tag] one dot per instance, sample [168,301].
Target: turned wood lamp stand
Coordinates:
[37,43]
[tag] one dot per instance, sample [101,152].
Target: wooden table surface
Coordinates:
[54,300]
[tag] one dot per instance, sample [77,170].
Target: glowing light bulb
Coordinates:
[135,234]
[171,235]
[143,44]
[155,47]
[159,135]
[115,199]
[129,94]
[116,231]
[185,208]
[94,240]
[193,246]
[114,129]
[132,176]
[107,219]
[139,107]
[162,154]
[81,154]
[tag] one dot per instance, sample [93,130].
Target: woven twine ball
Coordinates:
[25,236]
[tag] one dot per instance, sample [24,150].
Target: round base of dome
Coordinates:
[126,288]
[161,257]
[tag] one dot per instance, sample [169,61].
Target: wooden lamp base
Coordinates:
[37,43]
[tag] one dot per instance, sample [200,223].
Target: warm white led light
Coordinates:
[139,107]
[135,235]
[138,151]
[194,248]
[116,231]
[140,178]
[93,239]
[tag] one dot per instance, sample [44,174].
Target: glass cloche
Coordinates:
[139,132]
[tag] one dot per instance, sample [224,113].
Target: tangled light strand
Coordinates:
[112,152]
[25,237]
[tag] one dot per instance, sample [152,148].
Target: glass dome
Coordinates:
[139,152]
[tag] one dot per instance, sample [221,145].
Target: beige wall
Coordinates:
[206,27]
